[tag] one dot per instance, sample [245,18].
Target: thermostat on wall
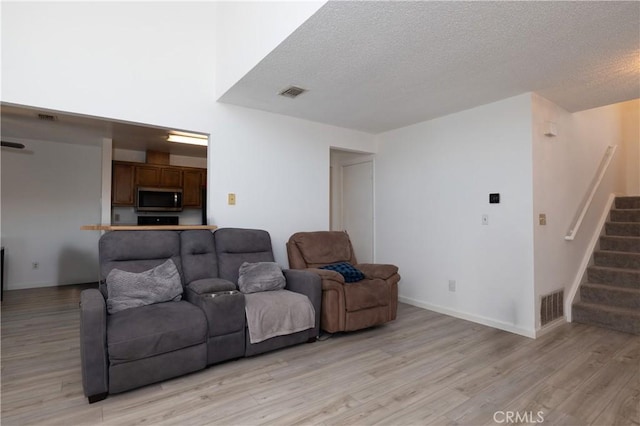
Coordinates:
[494,198]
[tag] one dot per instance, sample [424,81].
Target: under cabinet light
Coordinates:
[190,138]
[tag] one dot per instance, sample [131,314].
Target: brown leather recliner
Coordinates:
[346,306]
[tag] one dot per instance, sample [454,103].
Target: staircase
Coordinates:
[611,296]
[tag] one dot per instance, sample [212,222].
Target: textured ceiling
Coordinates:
[376,66]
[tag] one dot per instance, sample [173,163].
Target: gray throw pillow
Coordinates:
[130,290]
[261,276]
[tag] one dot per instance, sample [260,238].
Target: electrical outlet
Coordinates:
[452,285]
[117,217]
[231,199]
[485,219]
[35,265]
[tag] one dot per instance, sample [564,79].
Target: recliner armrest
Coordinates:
[304,282]
[193,291]
[224,314]
[374,270]
[309,284]
[93,344]
[327,274]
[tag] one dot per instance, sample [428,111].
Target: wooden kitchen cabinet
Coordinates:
[147,175]
[171,177]
[162,176]
[122,186]
[127,176]
[192,190]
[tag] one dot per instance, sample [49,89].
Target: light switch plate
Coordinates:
[542,219]
[231,199]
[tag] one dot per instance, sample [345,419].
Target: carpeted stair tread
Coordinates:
[617,259]
[633,313]
[623,229]
[627,203]
[617,243]
[610,295]
[625,215]
[614,276]
[616,318]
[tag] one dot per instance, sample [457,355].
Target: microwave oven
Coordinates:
[149,199]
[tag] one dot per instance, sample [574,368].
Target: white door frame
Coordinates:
[351,159]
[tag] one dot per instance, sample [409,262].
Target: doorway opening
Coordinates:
[352,200]
[62,170]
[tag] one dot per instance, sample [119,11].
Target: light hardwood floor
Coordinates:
[423,369]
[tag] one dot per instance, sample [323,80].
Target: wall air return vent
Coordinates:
[47,117]
[292,92]
[551,307]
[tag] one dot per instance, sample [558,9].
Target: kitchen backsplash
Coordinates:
[128,216]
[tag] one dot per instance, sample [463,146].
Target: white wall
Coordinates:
[630,136]
[278,167]
[249,30]
[563,169]
[433,181]
[127,65]
[146,62]
[48,191]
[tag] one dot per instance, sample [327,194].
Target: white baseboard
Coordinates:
[41,284]
[470,317]
[551,326]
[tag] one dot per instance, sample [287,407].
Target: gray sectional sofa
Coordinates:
[147,344]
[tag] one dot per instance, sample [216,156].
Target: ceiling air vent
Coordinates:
[292,91]
[47,117]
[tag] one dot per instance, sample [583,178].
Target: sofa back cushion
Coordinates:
[234,246]
[137,251]
[198,255]
[321,248]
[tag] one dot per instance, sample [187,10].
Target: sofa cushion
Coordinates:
[137,251]
[322,248]
[152,330]
[127,290]
[350,273]
[235,246]
[260,276]
[366,294]
[197,255]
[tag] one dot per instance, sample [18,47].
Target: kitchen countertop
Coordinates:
[145,227]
